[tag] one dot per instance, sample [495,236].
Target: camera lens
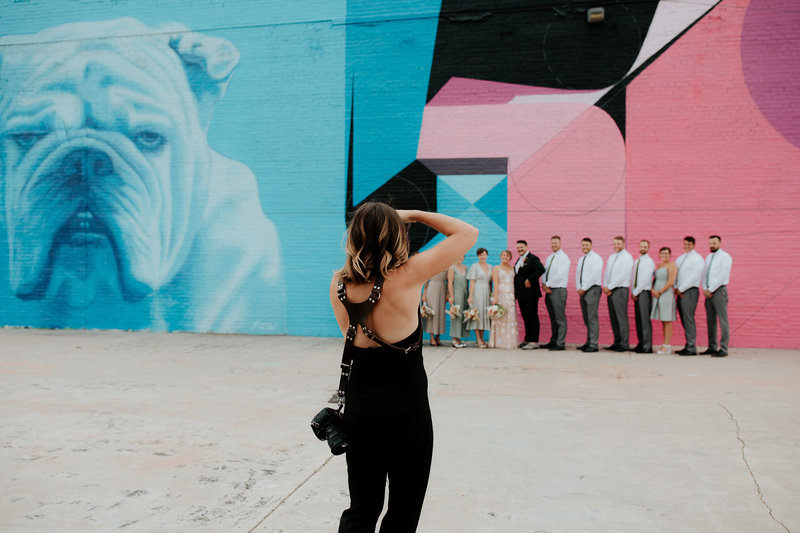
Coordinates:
[336,441]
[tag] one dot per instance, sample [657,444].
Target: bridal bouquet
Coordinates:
[471,314]
[454,311]
[426,311]
[495,311]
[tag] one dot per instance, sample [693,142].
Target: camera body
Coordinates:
[329,425]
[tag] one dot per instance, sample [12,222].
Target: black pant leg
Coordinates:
[408,482]
[366,479]
[529,309]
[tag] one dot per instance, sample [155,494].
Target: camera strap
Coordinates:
[357,315]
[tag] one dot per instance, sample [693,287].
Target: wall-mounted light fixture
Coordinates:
[595,15]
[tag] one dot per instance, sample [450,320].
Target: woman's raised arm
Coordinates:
[459,238]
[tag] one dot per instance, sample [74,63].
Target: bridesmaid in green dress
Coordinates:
[457,292]
[480,288]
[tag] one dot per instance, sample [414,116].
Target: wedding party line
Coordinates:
[483,298]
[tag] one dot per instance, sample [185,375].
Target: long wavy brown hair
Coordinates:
[377,242]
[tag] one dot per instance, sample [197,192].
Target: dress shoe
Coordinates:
[721,353]
[709,351]
[521,345]
[531,346]
[556,348]
[620,349]
[589,349]
[649,350]
[637,348]
[546,346]
[687,352]
[581,347]
[612,348]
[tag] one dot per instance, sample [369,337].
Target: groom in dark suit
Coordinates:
[527,292]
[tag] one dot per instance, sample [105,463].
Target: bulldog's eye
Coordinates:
[149,140]
[27,140]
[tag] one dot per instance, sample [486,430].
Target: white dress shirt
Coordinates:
[556,270]
[618,270]
[642,277]
[520,261]
[590,271]
[690,271]
[717,270]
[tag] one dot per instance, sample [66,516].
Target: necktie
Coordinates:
[580,280]
[708,270]
[547,274]
[636,275]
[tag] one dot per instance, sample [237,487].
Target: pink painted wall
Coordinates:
[711,147]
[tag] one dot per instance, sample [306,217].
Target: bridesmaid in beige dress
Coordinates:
[434,295]
[503,333]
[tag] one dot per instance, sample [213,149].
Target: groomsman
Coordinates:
[642,282]
[588,278]
[554,286]
[690,271]
[615,286]
[716,274]
[527,292]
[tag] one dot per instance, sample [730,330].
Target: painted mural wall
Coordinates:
[191,166]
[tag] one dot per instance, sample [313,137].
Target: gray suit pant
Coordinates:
[590,301]
[644,328]
[618,312]
[556,304]
[717,308]
[686,308]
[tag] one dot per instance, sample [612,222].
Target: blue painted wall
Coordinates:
[184,165]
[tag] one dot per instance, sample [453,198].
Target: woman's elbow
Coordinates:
[472,236]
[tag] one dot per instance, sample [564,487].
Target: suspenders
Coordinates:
[358,313]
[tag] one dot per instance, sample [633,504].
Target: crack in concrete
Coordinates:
[750,471]
[443,361]
[323,465]
[314,473]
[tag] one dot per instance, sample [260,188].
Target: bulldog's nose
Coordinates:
[87,163]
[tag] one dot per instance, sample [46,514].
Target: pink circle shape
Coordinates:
[771,63]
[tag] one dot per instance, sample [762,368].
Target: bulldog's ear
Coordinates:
[209,63]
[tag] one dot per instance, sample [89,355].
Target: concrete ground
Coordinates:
[102,431]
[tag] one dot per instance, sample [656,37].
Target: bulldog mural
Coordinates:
[116,210]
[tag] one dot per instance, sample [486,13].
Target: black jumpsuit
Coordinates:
[388,421]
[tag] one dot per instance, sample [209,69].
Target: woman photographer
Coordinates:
[387,415]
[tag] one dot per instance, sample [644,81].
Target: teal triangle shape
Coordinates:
[473,187]
[449,201]
[494,204]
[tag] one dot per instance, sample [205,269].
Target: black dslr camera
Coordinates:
[328,425]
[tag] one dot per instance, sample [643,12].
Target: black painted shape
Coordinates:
[621,86]
[530,42]
[414,187]
[456,167]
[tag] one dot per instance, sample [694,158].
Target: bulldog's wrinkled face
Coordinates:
[104,165]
